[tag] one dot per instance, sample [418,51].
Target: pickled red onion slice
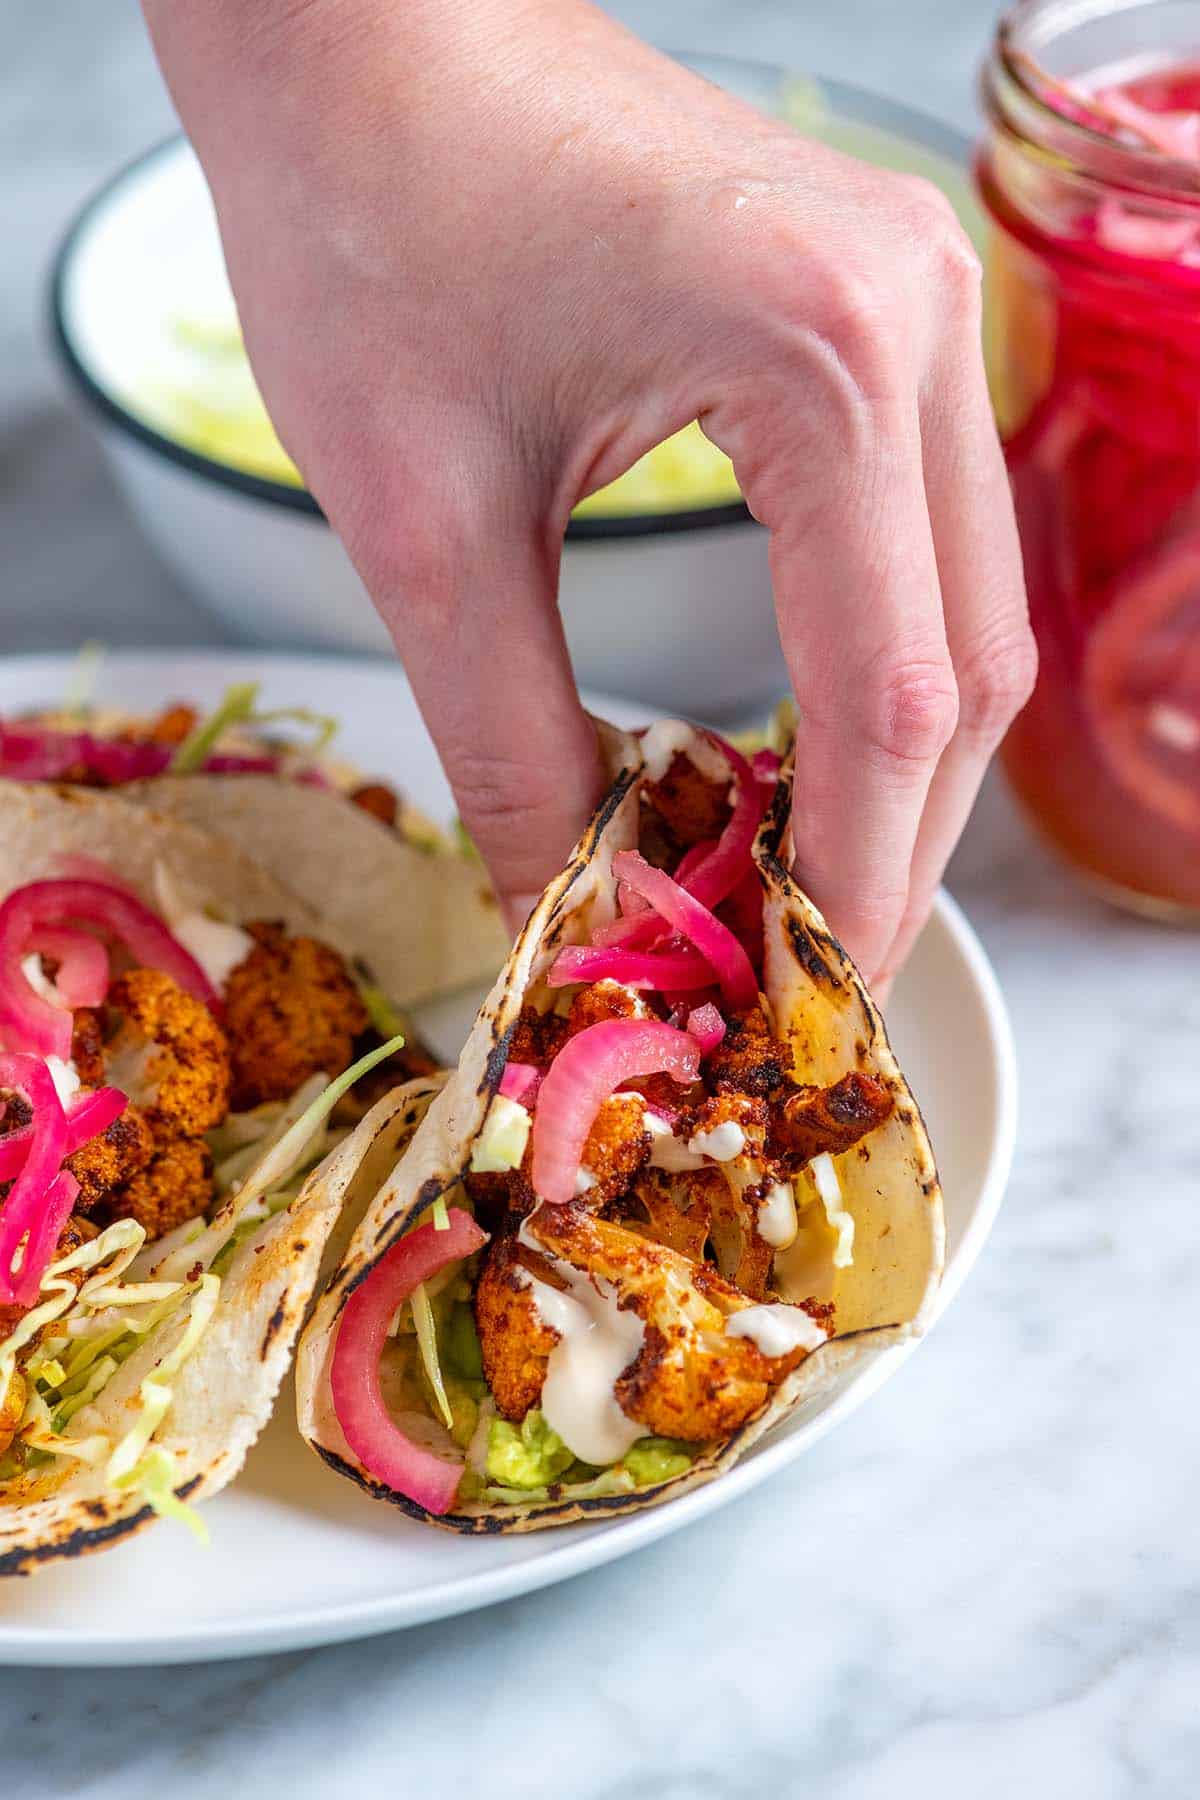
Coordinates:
[766,765]
[373,1435]
[88,1117]
[35,753]
[520,1082]
[646,969]
[692,919]
[43,1239]
[223,762]
[117,761]
[82,977]
[710,871]
[719,873]
[707,1026]
[589,1067]
[23,1211]
[33,1023]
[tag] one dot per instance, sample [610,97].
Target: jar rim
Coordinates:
[1013,91]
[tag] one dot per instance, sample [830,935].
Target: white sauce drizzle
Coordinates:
[597,1342]
[776,1221]
[39,981]
[825,1177]
[721,1144]
[65,1077]
[776,1328]
[669,738]
[216,946]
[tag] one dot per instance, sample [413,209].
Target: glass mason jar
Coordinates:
[1093,342]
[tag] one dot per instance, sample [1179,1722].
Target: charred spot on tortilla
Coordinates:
[274,1324]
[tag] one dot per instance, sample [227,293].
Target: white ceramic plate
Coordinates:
[300,1557]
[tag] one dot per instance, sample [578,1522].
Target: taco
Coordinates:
[675,1188]
[356,848]
[179,1036]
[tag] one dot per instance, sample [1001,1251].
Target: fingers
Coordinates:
[860,620]
[472,606]
[983,598]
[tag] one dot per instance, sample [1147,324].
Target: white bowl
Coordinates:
[674,609]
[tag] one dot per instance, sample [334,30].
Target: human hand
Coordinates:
[486,256]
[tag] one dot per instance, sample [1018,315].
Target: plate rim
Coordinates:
[64,1647]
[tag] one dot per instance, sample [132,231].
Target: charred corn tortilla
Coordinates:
[422,914]
[820,1009]
[222,1391]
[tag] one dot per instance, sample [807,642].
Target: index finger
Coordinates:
[860,621]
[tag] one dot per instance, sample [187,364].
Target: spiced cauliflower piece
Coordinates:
[105,1162]
[291,1009]
[514,1342]
[168,1053]
[689,1380]
[176,1185]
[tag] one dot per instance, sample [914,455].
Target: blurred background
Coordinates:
[84,95]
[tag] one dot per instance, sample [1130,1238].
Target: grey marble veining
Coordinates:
[988,1582]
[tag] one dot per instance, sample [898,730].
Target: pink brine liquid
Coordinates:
[1094,354]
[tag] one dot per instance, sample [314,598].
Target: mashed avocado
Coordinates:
[655,1459]
[529,1455]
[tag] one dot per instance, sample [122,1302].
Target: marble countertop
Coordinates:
[988,1581]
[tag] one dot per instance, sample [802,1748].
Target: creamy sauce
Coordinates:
[65,1077]
[39,981]
[776,1329]
[597,1342]
[776,1220]
[216,946]
[829,1188]
[669,738]
[721,1145]
[585,1181]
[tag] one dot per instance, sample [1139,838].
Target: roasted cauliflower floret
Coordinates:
[105,1162]
[749,1059]
[603,1000]
[167,1053]
[376,798]
[814,1121]
[291,1009]
[689,1380]
[514,1341]
[176,1185]
[615,1148]
[536,1037]
[690,806]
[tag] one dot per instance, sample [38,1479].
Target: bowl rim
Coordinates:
[858,104]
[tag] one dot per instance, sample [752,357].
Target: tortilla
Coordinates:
[223,1393]
[821,1007]
[425,918]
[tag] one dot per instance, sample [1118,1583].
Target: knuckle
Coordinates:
[929,223]
[909,710]
[506,799]
[994,684]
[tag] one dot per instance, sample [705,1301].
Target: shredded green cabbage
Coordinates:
[426,1330]
[273,1171]
[240,707]
[81,682]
